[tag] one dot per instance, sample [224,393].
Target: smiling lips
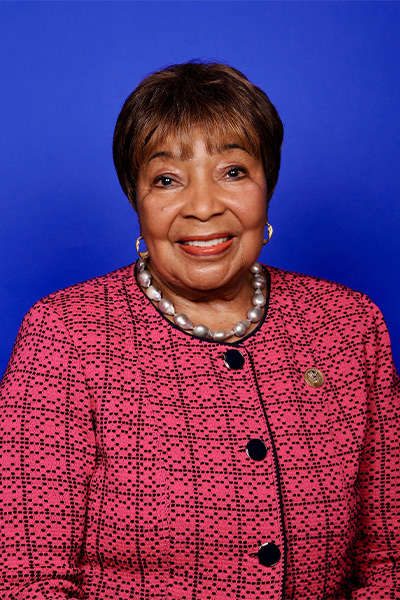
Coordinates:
[207,245]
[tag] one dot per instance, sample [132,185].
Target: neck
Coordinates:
[217,309]
[236,291]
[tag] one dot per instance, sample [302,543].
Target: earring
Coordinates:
[270,232]
[144,254]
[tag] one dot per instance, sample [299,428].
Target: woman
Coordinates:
[197,425]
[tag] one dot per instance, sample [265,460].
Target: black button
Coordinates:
[256,449]
[269,554]
[233,359]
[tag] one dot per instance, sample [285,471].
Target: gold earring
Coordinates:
[270,232]
[144,254]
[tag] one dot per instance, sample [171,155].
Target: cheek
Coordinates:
[254,210]
[156,225]
[150,218]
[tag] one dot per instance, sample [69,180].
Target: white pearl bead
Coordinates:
[183,321]
[241,327]
[201,331]
[254,314]
[220,336]
[144,278]
[141,265]
[153,293]
[258,282]
[166,306]
[258,299]
[256,268]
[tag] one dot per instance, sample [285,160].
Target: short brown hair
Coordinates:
[218,99]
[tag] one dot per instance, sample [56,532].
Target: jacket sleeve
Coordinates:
[377,547]
[46,461]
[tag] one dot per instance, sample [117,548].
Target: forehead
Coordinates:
[182,144]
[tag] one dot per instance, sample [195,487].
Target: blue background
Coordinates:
[331,68]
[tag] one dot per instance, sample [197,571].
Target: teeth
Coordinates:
[206,243]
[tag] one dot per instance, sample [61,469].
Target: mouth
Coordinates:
[206,245]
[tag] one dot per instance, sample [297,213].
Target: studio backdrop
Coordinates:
[331,69]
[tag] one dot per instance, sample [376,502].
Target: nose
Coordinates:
[203,200]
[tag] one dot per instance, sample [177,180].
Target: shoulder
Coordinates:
[95,299]
[91,290]
[92,287]
[338,322]
[322,300]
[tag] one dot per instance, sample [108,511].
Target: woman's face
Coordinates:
[202,217]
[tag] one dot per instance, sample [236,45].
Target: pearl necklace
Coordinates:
[166,307]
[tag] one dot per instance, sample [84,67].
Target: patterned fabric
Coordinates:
[123,451]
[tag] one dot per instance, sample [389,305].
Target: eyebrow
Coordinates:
[232,146]
[165,154]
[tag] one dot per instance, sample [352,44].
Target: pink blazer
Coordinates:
[141,463]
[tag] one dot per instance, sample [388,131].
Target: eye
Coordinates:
[163,181]
[236,172]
